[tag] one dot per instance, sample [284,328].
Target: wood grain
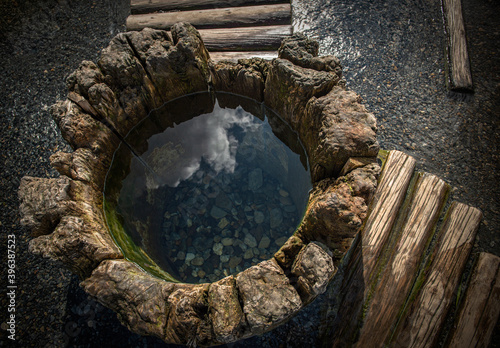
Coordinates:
[230,17]
[459,72]
[424,317]
[266,38]
[480,310]
[235,56]
[149,6]
[399,275]
[395,179]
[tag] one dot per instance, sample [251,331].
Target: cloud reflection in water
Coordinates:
[176,154]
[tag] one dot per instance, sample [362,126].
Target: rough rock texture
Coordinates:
[342,127]
[80,130]
[308,92]
[337,209]
[303,52]
[227,317]
[314,269]
[287,253]
[289,87]
[188,321]
[267,295]
[138,298]
[356,162]
[137,73]
[67,216]
[175,67]
[42,212]
[247,77]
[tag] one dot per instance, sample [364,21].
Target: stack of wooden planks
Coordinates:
[231,29]
[406,270]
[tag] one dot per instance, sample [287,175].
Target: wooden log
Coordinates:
[230,17]
[235,56]
[149,6]
[245,39]
[424,317]
[394,182]
[402,267]
[459,77]
[481,308]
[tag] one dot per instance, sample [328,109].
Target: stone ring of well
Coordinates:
[140,71]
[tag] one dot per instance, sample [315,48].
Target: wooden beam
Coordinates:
[402,267]
[230,17]
[235,56]
[149,6]
[459,77]
[424,317]
[481,308]
[388,199]
[245,39]
[395,178]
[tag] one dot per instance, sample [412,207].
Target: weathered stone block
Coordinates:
[226,314]
[43,202]
[66,217]
[289,87]
[87,75]
[337,127]
[138,298]
[287,253]
[337,209]
[80,130]
[268,297]
[303,52]
[82,165]
[175,68]
[247,77]
[314,269]
[188,320]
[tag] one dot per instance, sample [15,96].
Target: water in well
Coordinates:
[209,189]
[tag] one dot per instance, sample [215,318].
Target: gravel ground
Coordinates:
[393,56]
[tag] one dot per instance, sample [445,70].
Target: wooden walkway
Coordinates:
[230,29]
[406,270]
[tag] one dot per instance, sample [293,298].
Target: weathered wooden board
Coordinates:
[480,310]
[394,181]
[398,276]
[424,317]
[149,6]
[390,194]
[235,56]
[230,17]
[265,38]
[459,72]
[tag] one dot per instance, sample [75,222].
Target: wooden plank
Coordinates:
[390,194]
[424,317]
[459,73]
[480,310]
[149,6]
[229,17]
[266,38]
[397,278]
[235,56]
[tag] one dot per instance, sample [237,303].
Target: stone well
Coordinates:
[140,71]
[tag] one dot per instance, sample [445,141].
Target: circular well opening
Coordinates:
[205,188]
